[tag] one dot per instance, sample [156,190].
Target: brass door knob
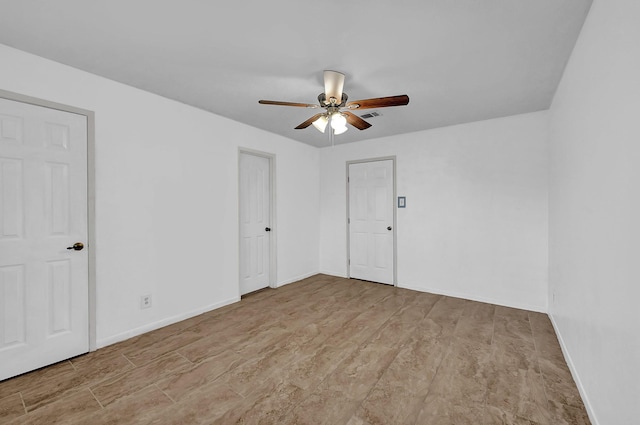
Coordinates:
[76,246]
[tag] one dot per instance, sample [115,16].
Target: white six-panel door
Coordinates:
[255,222]
[43,210]
[371,255]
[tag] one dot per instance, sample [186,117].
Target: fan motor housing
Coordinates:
[322,98]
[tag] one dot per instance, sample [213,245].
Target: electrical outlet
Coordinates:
[145,301]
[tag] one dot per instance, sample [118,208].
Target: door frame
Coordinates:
[395,212]
[91,195]
[272,214]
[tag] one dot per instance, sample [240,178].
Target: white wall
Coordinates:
[167,197]
[475,225]
[595,212]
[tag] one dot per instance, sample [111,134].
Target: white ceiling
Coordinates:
[458,60]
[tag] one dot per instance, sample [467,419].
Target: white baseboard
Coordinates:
[100,343]
[522,306]
[295,279]
[332,273]
[574,373]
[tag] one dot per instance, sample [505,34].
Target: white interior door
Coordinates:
[43,210]
[255,222]
[371,221]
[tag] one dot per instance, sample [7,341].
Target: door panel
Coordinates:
[11,225]
[57,198]
[255,211]
[370,215]
[60,312]
[381,250]
[12,321]
[43,210]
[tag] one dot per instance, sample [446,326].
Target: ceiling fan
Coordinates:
[333,100]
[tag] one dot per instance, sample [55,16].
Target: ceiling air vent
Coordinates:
[371,115]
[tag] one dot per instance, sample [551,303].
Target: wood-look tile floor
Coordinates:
[324,350]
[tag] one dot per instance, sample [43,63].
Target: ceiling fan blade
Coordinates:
[308,122]
[356,121]
[379,102]
[333,85]
[276,102]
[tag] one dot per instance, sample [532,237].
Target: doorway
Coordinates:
[47,287]
[256,217]
[371,220]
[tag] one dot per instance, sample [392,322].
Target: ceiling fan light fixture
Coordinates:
[338,120]
[321,123]
[339,130]
[338,123]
